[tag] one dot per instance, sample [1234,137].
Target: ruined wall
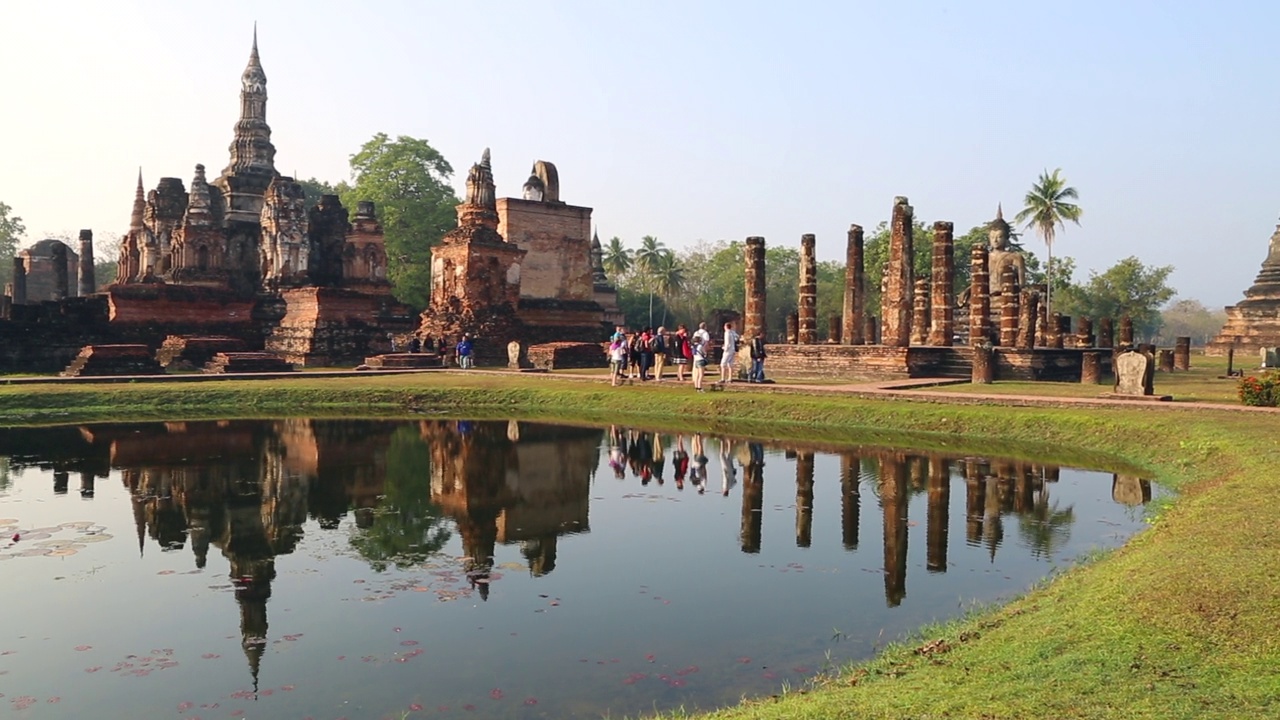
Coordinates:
[557,238]
[330,326]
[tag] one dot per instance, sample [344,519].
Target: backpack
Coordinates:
[687,349]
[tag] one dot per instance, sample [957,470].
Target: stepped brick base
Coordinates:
[405,361]
[105,360]
[880,361]
[180,352]
[247,362]
[567,355]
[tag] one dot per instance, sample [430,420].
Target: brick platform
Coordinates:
[247,362]
[105,360]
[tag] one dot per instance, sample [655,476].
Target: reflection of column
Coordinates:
[60,479]
[850,499]
[1024,495]
[939,505]
[893,502]
[541,554]
[992,523]
[86,484]
[1130,490]
[804,498]
[752,500]
[974,499]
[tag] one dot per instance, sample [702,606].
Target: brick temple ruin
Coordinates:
[925,328]
[1254,323]
[238,263]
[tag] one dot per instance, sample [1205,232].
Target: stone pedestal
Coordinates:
[942,286]
[896,300]
[984,364]
[854,288]
[1164,361]
[1030,304]
[1090,368]
[1182,353]
[808,295]
[753,320]
[1126,332]
[793,328]
[871,331]
[920,313]
[833,330]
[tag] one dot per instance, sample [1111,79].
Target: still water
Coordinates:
[367,569]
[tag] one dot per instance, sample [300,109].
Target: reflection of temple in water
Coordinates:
[511,482]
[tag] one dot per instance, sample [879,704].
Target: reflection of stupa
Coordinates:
[511,482]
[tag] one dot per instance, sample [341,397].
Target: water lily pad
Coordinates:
[53,544]
[62,552]
[77,525]
[100,537]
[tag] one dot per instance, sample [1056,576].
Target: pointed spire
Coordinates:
[253,54]
[999,211]
[484,159]
[139,205]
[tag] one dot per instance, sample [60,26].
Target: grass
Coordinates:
[1180,623]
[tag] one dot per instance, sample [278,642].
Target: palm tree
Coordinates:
[1046,210]
[617,259]
[669,279]
[648,260]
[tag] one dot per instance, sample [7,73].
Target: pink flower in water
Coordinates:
[185,706]
[650,657]
[82,648]
[496,694]
[54,700]
[744,659]
[408,643]
[210,656]
[288,688]
[469,707]
[415,707]
[531,701]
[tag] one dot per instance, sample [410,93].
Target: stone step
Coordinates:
[247,362]
[108,360]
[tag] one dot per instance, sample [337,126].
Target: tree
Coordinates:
[617,259]
[1046,209]
[1126,288]
[313,189]
[668,278]
[106,254]
[648,258]
[408,180]
[407,528]
[11,232]
[1190,318]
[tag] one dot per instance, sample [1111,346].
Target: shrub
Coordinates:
[1262,391]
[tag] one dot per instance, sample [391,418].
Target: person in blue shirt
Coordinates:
[464,349]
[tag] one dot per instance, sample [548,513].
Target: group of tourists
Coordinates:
[644,354]
[644,454]
[463,351]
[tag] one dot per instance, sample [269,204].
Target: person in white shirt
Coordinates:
[701,350]
[730,355]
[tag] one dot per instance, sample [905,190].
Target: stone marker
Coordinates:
[1090,368]
[984,363]
[1270,357]
[1182,353]
[513,355]
[1133,373]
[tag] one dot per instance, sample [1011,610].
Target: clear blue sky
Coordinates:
[690,120]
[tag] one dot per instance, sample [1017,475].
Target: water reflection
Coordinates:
[406,492]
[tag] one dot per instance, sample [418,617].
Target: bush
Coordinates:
[1263,391]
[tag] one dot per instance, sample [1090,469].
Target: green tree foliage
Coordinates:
[648,259]
[313,188]
[1126,288]
[106,256]
[1187,317]
[876,257]
[1046,208]
[409,182]
[617,260]
[11,233]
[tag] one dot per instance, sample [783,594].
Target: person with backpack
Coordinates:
[701,351]
[659,353]
[617,360]
[728,353]
[681,352]
[757,358]
[645,345]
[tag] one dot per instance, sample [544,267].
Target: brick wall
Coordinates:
[558,240]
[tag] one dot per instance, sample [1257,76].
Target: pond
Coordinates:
[443,568]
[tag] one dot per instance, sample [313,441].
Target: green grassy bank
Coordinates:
[1182,622]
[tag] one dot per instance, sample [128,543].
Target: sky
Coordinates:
[690,121]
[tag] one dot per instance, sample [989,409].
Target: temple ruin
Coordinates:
[1254,322]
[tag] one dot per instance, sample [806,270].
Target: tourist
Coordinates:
[681,352]
[680,462]
[701,350]
[429,344]
[391,337]
[633,356]
[464,350]
[617,360]
[659,353]
[415,345]
[645,344]
[757,358]
[728,353]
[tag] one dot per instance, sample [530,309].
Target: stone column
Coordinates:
[808,327]
[1084,333]
[61,277]
[1106,333]
[1053,334]
[19,281]
[855,284]
[754,318]
[984,364]
[833,330]
[86,285]
[943,300]
[920,313]
[1042,326]
[793,326]
[895,304]
[1182,353]
[1009,307]
[871,333]
[1030,306]
[1090,368]
[1165,361]
[6,302]
[979,297]
[1064,330]
[1126,331]
[939,514]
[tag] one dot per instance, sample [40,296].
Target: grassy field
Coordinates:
[1184,622]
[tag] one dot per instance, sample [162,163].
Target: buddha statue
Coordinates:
[1001,255]
[534,187]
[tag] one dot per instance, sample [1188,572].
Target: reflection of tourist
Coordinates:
[757,358]
[728,475]
[701,349]
[659,353]
[680,462]
[728,353]
[464,350]
[699,475]
[659,462]
[617,452]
